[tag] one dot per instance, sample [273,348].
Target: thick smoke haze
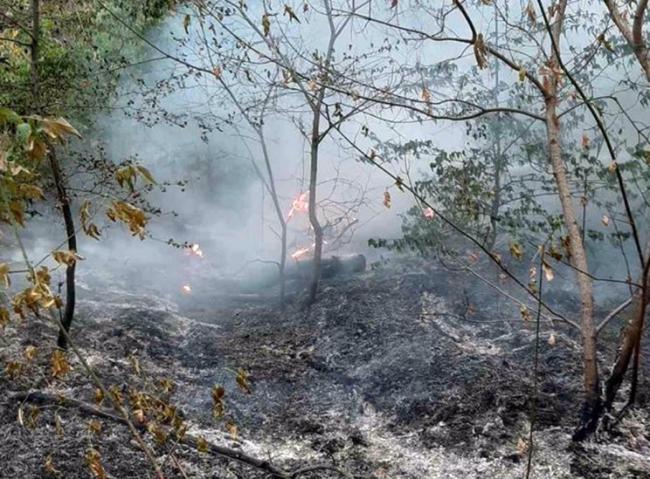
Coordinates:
[222,204]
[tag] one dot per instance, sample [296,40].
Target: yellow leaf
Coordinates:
[29,353]
[30,192]
[4,316]
[216,71]
[186,23]
[584,141]
[138,414]
[522,73]
[525,314]
[67,257]
[266,24]
[522,447]
[93,461]
[36,148]
[57,127]
[49,466]
[59,364]
[612,166]
[516,250]
[201,444]
[605,220]
[4,275]
[146,174]
[16,210]
[166,384]
[548,271]
[530,12]
[58,426]
[92,231]
[95,426]
[231,427]
[289,11]
[242,380]
[551,339]
[312,85]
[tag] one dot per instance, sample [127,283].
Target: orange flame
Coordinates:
[299,204]
[299,252]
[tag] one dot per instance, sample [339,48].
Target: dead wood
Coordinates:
[188,440]
[40,398]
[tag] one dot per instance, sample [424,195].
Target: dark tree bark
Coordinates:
[57,176]
[66,210]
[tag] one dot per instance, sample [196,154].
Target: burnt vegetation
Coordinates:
[324,239]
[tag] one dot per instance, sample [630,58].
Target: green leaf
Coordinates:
[24,130]
[9,116]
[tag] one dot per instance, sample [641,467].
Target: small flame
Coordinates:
[194,250]
[299,204]
[299,252]
[186,289]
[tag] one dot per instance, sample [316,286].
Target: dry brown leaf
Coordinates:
[386,200]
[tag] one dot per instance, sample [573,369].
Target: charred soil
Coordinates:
[406,371]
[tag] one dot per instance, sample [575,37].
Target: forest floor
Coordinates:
[406,371]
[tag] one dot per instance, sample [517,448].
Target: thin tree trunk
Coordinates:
[58,180]
[70,290]
[592,402]
[313,218]
[280,214]
[592,405]
[630,342]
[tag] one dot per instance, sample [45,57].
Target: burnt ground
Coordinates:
[407,371]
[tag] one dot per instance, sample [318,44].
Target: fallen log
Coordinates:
[330,267]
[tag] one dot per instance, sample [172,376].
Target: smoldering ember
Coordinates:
[318,239]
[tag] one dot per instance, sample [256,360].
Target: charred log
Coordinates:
[330,267]
[301,271]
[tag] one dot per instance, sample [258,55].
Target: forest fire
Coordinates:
[300,252]
[298,204]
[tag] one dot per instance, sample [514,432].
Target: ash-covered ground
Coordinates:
[408,370]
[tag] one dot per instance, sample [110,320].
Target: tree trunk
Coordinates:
[592,404]
[279,213]
[592,400]
[58,179]
[313,218]
[630,341]
[64,201]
